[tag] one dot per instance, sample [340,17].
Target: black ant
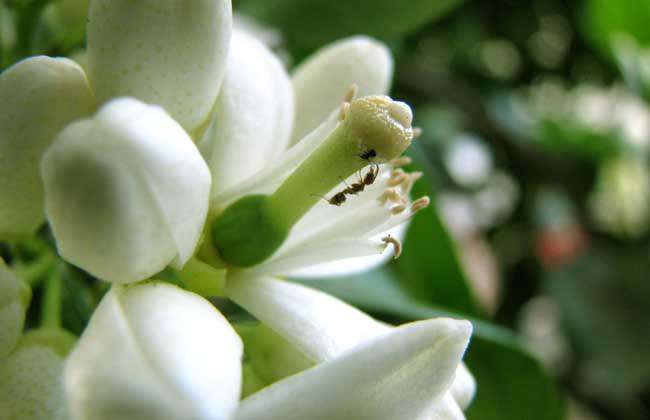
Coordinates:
[371,176]
[341,196]
[368,154]
[355,188]
[337,199]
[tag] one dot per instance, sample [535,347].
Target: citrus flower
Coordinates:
[153,350]
[188,145]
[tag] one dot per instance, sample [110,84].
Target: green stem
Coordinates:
[34,272]
[52,299]
[203,279]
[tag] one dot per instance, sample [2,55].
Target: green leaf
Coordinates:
[429,266]
[605,302]
[606,18]
[309,24]
[511,383]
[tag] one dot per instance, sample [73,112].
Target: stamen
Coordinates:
[396,244]
[417,132]
[351,94]
[397,171]
[408,185]
[420,203]
[344,111]
[395,210]
[390,194]
[401,161]
[397,179]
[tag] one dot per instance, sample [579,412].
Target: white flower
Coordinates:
[127,193]
[130,182]
[166,52]
[155,351]
[125,190]
[322,328]
[39,96]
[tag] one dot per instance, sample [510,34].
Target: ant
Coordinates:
[336,200]
[340,197]
[371,176]
[369,179]
[368,154]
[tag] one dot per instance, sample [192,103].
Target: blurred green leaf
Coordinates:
[429,266]
[605,302]
[573,140]
[511,383]
[606,18]
[308,25]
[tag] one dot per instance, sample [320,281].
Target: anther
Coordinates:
[390,194]
[420,203]
[397,172]
[408,185]
[397,179]
[417,132]
[401,161]
[396,244]
[351,93]
[395,210]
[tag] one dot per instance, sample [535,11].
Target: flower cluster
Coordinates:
[186,143]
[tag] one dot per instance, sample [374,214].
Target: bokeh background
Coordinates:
[535,150]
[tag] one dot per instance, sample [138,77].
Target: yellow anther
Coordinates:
[401,161]
[420,203]
[396,244]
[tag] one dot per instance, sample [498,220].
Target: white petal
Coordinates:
[445,409]
[253,115]
[269,179]
[38,97]
[319,325]
[154,351]
[167,52]
[400,374]
[14,299]
[348,266]
[126,192]
[464,387]
[30,385]
[322,81]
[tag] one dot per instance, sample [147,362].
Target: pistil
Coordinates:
[373,130]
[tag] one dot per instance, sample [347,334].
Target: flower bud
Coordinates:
[170,53]
[38,97]
[126,192]
[154,351]
[14,300]
[30,378]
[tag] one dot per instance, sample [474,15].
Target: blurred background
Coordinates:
[535,149]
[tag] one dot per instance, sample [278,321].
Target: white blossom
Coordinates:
[154,351]
[126,192]
[39,96]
